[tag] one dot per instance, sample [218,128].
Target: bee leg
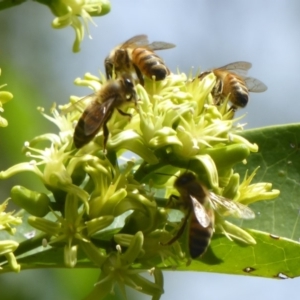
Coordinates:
[217,101]
[124,113]
[179,232]
[139,75]
[217,93]
[172,200]
[109,69]
[218,88]
[105,136]
[232,109]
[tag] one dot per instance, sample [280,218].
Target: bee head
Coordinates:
[184,179]
[128,84]
[128,87]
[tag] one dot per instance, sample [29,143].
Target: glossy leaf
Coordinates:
[277,252]
[271,257]
[279,161]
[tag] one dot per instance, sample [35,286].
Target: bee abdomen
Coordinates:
[242,99]
[80,137]
[239,90]
[199,238]
[150,63]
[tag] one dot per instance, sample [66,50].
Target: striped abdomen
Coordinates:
[149,63]
[80,138]
[199,236]
[235,86]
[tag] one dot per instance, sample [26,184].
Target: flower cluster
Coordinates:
[112,210]
[71,12]
[7,247]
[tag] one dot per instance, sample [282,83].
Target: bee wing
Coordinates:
[79,105]
[238,67]
[200,213]
[138,41]
[160,46]
[255,85]
[97,113]
[230,207]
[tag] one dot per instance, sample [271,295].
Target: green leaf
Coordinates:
[270,257]
[10,3]
[279,161]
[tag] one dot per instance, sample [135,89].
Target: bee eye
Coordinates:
[128,83]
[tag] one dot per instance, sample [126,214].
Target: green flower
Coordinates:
[4,97]
[232,231]
[7,247]
[7,219]
[118,270]
[52,160]
[73,231]
[251,193]
[68,13]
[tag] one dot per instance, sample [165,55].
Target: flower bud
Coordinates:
[232,188]
[235,232]
[122,239]
[70,255]
[97,224]
[145,286]
[52,228]
[6,248]
[159,281]
[134,248]
[12,262]
[78,175]
[133,142]
[35,203]
[227,156]
[93,253]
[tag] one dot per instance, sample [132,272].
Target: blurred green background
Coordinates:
[39,67]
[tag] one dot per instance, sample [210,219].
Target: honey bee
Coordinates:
[137,56]
[200,206]
[111,96]
[232,82]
